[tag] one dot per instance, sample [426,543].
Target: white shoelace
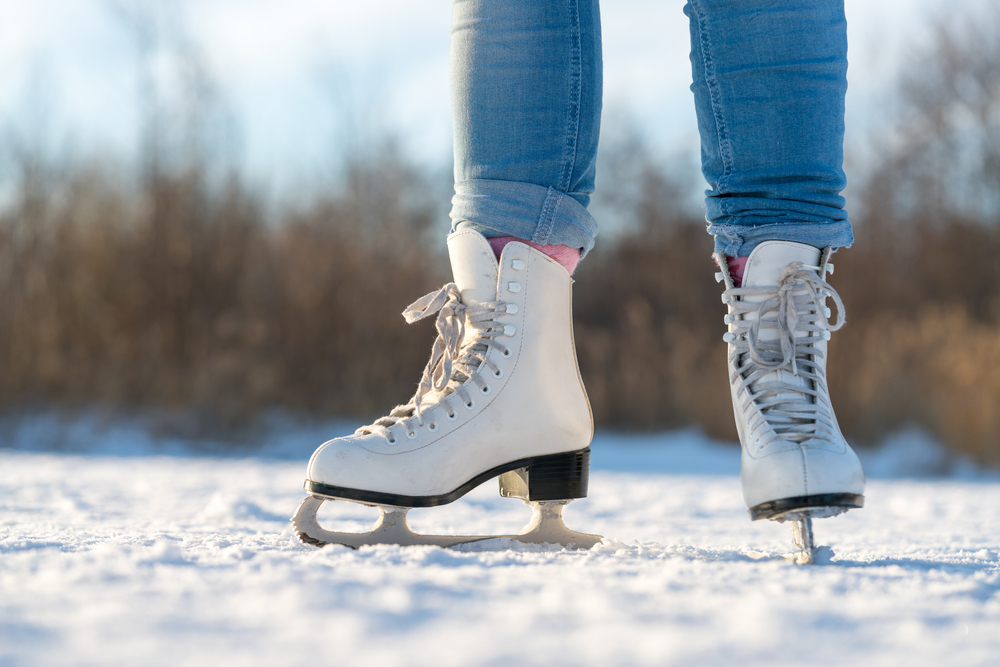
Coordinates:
[451,364]
[796,411]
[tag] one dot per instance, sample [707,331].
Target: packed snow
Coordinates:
[118,546]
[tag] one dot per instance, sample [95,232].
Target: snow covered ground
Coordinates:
[119,549]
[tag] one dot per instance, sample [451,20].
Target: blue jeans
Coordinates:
[769,79]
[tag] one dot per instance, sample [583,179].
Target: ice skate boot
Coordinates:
[500,397]
[795,465]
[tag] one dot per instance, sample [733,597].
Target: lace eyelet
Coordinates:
[391,442]
[506,353]
[470,405]
[452,417]
[432,427]
[411,436]
[498,373]
[485,391]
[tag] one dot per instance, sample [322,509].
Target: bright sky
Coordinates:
[285,68]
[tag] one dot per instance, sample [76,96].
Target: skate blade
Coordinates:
[546,527]
[809,553]
[802,536]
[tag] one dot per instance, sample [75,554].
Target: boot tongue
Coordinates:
[475,272]
[473,266]
[762,270]
[768,259]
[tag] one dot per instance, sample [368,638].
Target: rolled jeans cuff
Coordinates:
[740,240]
[524,210]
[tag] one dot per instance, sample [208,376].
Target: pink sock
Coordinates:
[736,267]
[568,257]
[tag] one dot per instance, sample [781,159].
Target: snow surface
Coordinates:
[117,547]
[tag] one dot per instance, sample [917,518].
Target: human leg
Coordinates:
[769,80]
[501,395]
[526,100]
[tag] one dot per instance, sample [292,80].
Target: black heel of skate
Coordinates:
[553,477]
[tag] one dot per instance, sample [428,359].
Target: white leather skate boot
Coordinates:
[795,462]
[500,396]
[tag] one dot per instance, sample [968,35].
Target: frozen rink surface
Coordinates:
[113,554]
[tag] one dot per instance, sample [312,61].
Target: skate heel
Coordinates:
[552,477]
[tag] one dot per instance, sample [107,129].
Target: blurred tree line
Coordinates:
[183,287]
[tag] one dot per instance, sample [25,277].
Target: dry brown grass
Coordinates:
[178,297]
[196,303]
[184,297]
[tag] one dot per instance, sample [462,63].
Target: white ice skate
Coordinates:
[500,397]
[795,463]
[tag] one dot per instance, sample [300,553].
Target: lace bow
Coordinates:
[451,363]
[795,276]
